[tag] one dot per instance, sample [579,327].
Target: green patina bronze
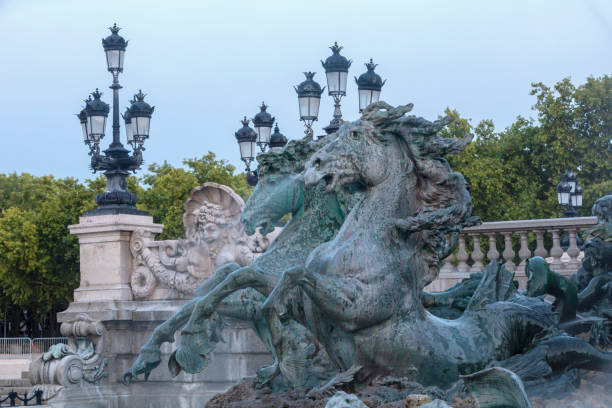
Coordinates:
[542,280]
[239,292]
[352,281]
[594,278]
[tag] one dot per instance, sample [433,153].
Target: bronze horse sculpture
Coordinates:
[315,218]
[368,280]
[360,293]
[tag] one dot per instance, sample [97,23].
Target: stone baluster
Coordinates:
[462,255]
[540,250]
[556,251]
[573,250]
[477,255]
[447,266]
[508,253]
[524,251]
[492,253]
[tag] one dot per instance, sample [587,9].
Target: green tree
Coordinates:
[513,173]
[39,266]
[167,188]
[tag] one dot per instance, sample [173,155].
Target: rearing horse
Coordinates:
[367,281]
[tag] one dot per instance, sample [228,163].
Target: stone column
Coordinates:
[573,250]
[524,251]
[106,261]
[105,297]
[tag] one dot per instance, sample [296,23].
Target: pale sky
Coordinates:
[205,64]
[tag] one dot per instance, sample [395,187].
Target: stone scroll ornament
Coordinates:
[78,362]
[356,297]
[214,237]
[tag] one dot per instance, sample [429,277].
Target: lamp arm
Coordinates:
[101,163]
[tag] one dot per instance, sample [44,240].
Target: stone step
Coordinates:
[13,367]
[15,382]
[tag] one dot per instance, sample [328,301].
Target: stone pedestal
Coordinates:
[128,325]
[105,298]
[106,261]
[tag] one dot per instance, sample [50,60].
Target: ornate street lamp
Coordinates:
[336,70]
[114,47]
[96,113]
[116,162]
[369,85]
[277,139]
[247,142]
[569,194]
[309,98]
[262,122]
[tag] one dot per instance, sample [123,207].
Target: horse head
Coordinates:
[280,189]
[386,143]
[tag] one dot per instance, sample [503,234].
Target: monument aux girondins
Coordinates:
[333,303]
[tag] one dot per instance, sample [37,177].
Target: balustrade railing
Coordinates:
[512,242]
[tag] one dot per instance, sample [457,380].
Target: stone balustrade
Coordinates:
[532,237]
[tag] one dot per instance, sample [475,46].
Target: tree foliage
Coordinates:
[167,188]
[39,259]
[39,265]
[513,173]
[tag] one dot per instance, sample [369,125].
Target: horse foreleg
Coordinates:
[149,356]
[272,309]
[218,277]
[245,277]
[336,299]
[191,355]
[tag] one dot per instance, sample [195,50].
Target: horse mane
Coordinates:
[291,159]
[443,201]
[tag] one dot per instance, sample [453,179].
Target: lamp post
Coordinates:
[309,99]
[116,161]
[309,93]
[277,140]
[247,142]
[262,122]
[569,195]
[262,136]
[336,70]
[369,85]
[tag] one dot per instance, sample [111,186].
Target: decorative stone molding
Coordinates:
[80,361]
[105,257]
[214,237]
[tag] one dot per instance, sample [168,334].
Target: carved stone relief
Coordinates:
[80,361]
[214,237]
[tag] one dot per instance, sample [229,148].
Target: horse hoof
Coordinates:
[126,377]
[267,374]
